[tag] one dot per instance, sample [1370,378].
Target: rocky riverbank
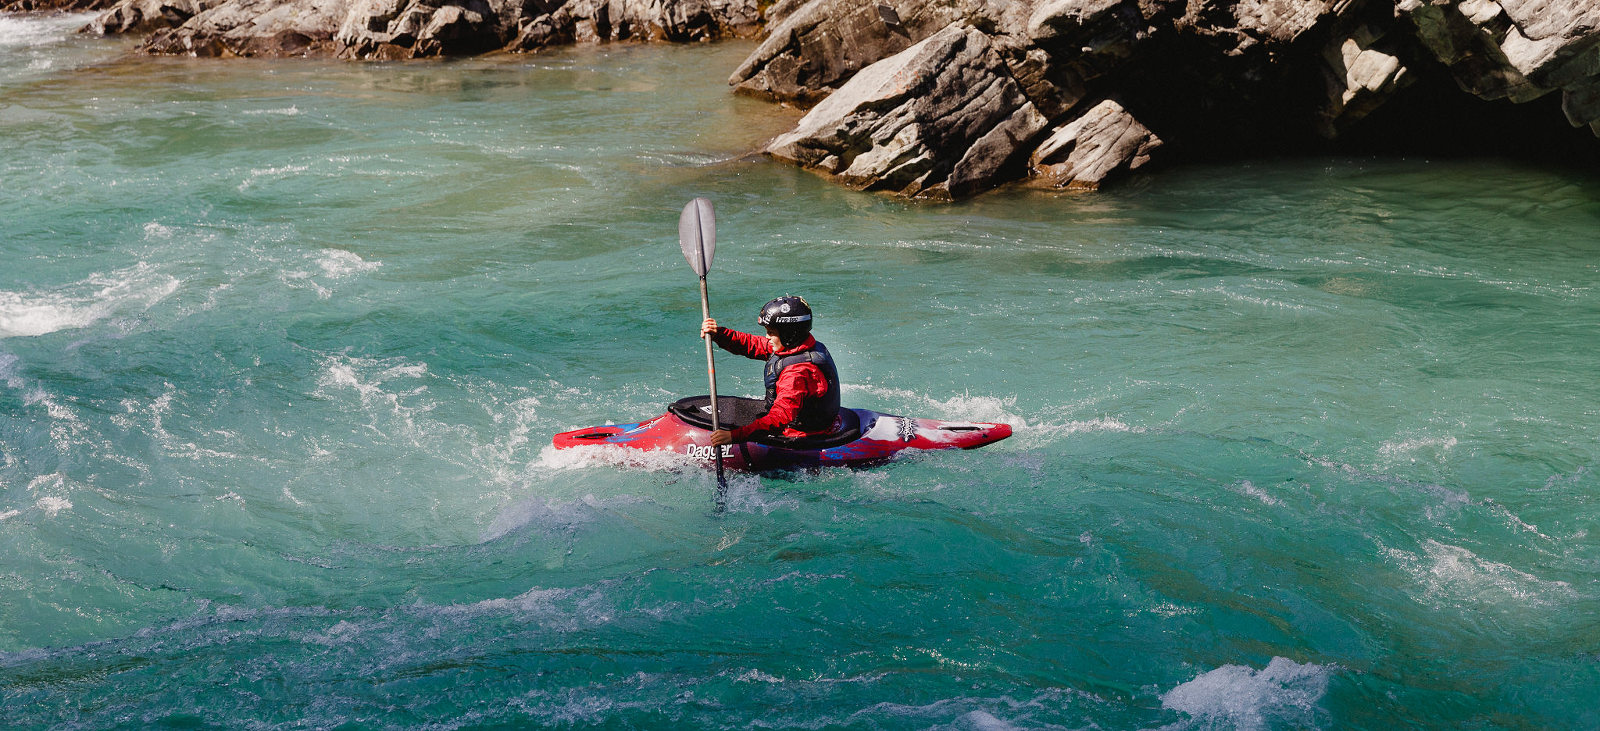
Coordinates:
[947,98]
[400,29]
[944,99]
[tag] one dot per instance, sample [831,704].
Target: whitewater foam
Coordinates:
[8,370]
[1255,293]
[328,264]
[366,376]
[81,304]
[499,457]
[532,600]
[271,173]
[965,407]
[963,712]
[1238,697]
[744,495]
[1453,574]
[51,504]
[1249,488]
[599,455]
[1408,449]
[996,410]
[33,31]
[338,263]
[548,516]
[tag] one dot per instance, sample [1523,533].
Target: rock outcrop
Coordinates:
[819,45]
[143,16]
[34,6]
[943,118]
[1099,144]
[397,29]
[945,98]
[1104,87]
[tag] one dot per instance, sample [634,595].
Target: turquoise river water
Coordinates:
[1303,444]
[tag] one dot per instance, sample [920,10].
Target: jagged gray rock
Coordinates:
[1516,49]
[140,16]
[253,28]
[35,6]
[1363,70]
[395,29]
[1185,73]
[1103,141]
[820,44]
[941,119]
[1581,103]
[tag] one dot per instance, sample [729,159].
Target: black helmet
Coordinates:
[788,316]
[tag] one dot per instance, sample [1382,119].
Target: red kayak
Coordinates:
[866,437]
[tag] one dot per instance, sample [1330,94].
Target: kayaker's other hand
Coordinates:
[709,327]
[721,437]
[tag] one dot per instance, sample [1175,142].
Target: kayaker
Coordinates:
[802,384]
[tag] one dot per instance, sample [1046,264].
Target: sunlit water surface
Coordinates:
[282,344]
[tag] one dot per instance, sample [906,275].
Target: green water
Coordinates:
[1307,444]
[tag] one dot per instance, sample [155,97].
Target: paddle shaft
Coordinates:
[711,369]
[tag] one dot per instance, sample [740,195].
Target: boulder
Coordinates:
[1467,38]
[1102,142]
[390,29]
[1363,70]
[820,44]
[1518,50]
[1581,103]
[251,28]
[143,16]
[941,119]
[1236,27]
[1554,43]
[1073,43]
[394,29]
[37,6]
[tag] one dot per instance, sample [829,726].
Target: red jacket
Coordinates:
[797,383]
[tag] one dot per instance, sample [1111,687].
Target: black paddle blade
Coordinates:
[697,234]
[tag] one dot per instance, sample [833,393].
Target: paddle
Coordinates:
[697,235]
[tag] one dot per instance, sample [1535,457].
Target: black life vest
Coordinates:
[817,414]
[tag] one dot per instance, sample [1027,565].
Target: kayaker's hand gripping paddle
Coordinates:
[697,235]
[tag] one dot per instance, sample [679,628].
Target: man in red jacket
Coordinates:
[802,384]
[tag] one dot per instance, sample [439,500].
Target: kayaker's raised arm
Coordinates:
[733,341]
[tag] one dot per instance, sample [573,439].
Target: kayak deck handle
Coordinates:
[961,428]
[594,435]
